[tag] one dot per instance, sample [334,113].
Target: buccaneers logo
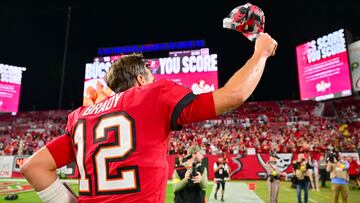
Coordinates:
[237,161]
[283,162]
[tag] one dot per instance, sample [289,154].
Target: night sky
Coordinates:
[33,33]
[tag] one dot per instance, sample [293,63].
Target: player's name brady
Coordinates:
[102,106]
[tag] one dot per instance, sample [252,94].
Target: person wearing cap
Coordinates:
[273,174]
[302,180]
[339,175]
[322,170]
[221,170]
[190,180]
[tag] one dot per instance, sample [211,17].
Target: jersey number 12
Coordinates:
[127,178]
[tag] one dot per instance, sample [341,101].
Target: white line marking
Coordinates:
[311,200]
[286,189]
[326,197]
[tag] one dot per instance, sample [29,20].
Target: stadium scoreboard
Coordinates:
[323,67]
[196,69]
[10,85]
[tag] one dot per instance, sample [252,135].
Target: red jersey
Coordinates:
[354,168]
[120,144]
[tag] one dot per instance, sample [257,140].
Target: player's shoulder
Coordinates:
[159,84]
[74,115]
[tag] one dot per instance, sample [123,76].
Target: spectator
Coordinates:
[273,174]
[301,167]
[339,176]
[222,171]
[322,171]
[354,172]
[314,173]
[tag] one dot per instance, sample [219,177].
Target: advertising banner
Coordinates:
[19,161]
[6,166]
[68,171]
[246,166]
[241,166]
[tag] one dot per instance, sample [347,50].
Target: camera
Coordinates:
[194,171]
[332,156]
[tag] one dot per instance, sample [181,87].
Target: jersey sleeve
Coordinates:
[200,109]
[174,98]
[61,150]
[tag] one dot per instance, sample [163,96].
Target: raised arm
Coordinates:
[242,84]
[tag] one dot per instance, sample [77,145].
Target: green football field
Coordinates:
[286,194]
[31,197]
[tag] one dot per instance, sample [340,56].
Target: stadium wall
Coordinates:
[242,166]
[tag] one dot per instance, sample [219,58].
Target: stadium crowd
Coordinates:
[27,132]
[286,126]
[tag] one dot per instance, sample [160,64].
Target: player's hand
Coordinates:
[100,92]
[187,175]
[94,96]
[90,96]
[197,178]
[265,45]
[87,101]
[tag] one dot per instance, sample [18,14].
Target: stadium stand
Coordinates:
[282,126]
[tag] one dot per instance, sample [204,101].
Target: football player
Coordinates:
[120,143]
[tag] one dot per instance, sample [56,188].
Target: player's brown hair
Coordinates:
[123,73]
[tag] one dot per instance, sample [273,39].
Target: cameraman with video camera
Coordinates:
[338,168]
[190,179]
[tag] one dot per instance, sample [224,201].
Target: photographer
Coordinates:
[221,170]
[190,179]
[339,176]
[301,178]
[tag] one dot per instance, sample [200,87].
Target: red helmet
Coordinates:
[247,19]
